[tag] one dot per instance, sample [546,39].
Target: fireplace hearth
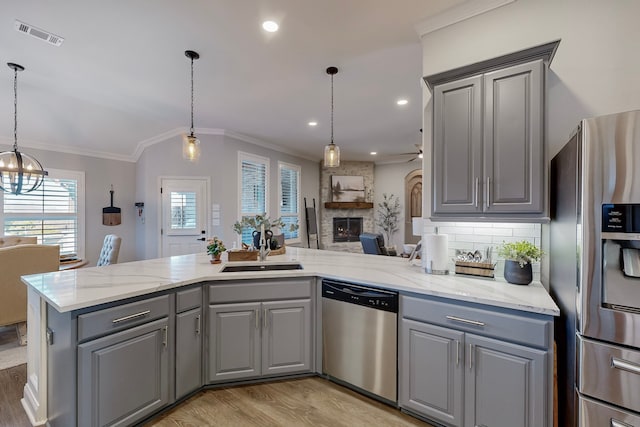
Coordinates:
[347,229]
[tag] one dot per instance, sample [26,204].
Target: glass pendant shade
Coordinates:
[331,156]
[190,148]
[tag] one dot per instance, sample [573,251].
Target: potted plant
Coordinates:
[388,217]
[518,257]
[256,222]
[215,247]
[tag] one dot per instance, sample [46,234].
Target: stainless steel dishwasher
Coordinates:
[359,337]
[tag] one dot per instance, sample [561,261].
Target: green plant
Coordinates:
[523,252]
[256,222]
[215,246]
[388,213]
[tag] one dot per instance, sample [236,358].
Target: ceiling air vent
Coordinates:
[39,34]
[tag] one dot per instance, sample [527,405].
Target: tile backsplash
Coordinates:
[471,236]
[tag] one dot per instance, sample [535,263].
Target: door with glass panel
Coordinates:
[184,215]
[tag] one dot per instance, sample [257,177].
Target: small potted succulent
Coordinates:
[215,247]
[518,257]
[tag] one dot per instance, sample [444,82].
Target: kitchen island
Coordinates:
[58,300]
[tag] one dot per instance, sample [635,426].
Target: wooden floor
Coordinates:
[309,401]
[12,383]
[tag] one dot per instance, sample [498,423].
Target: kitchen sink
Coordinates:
[263,266]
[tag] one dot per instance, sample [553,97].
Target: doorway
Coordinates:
[413,203]
[183,210]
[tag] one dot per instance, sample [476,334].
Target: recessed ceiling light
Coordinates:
[402,102]
[270,26]
[373,153]
[313,123]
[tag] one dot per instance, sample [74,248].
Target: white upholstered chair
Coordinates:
[110,250]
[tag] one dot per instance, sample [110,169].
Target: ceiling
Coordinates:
[120,80]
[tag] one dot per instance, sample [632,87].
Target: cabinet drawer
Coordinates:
[510,327]
[259,291]
[598,414]
[188,299]
[609,372]
[121,317]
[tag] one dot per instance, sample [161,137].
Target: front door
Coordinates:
[184,212]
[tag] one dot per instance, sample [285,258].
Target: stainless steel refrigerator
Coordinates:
[594,272]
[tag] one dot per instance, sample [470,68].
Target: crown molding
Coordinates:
[457,14]
[39,145]
[264,144]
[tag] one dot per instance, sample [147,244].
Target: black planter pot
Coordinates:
[517,275]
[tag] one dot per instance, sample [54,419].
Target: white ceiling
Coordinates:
[121,78]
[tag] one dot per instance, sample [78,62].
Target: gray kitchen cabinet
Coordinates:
[431,371]
[248,340]
[189,327]
[234,341]
[488,138]
[123,377]
[188,351]
[467,365]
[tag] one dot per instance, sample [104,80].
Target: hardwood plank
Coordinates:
[12,381]
[311,401]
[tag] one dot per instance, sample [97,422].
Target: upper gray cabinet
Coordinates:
[488,138]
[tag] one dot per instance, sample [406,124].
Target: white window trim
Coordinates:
[258,159]
[297,168]
[79,176]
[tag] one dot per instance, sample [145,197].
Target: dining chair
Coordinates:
[110,250]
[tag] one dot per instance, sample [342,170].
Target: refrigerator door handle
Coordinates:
[625,365]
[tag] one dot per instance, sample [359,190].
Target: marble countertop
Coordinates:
[87,287]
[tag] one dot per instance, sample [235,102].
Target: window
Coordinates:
[289,199]
[54,213]
[183,210]
[254,188]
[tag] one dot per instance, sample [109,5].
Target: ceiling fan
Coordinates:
[417,154]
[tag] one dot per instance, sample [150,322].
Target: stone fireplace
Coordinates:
[347,229]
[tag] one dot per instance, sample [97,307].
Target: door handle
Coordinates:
[202,239]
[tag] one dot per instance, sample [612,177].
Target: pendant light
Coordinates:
[19,173]
[332,151]
[191,144]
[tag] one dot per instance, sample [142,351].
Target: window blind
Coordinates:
[50,213]
[253,190]
[183,210]
[290,199]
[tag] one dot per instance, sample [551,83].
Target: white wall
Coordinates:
[99,175]
[219,160]
[389,179]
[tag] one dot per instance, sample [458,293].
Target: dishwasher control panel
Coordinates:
[361,295]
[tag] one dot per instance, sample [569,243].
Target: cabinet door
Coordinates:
[431,371]
[457,145]
[188,351]
[513,139]
[123,377]
[286,337]
[505,384]
[234,341]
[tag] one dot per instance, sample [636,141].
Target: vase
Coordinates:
[517,275]
[215,259]
[256,238]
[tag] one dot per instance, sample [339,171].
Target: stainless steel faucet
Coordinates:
[264,248]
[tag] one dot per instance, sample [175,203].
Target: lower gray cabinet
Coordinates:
[248,340]
[188,352]
[124,376]
[432,368]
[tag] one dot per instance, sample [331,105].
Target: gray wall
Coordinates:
[99,175]
[219,160]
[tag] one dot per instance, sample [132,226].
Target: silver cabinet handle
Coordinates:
[131,316]
[488,202]
[257,316]
[198,324]
[165,335]
[457,352]
[616,423]
[625,365]
[265,318]
[470,356]
[461,320]
[476,193]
